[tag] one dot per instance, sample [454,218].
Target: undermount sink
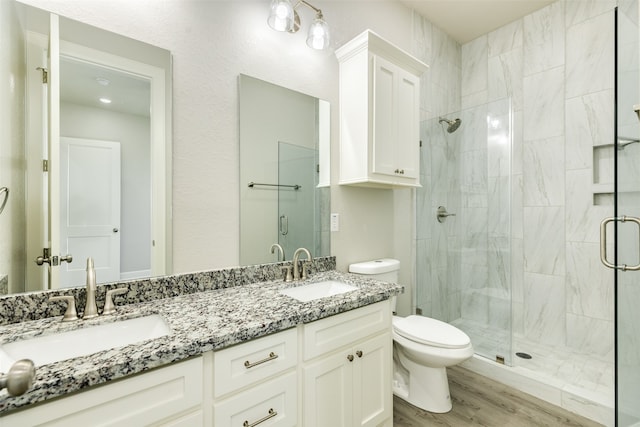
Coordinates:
[313,291]
[83,342]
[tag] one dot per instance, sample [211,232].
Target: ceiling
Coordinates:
[84,83]
[465,20]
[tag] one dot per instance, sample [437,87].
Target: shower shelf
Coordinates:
[606,188]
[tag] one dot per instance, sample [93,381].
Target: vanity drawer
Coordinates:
[274,402]
[343,329]
[244,364]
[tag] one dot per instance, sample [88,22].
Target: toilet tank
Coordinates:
[385,269]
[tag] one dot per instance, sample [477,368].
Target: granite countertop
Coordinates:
[199,322]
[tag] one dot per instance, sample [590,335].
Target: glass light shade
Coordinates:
[281,16]
[318,37]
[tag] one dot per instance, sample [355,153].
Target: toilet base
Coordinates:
[427,388]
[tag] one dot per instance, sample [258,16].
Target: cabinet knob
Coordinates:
[359,353]
[350,358]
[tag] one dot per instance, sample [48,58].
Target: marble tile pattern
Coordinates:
[555,69]
[200,321]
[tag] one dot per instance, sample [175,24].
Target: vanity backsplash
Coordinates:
[36,305]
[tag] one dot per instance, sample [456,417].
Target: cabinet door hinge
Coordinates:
[45,165]
[45,74]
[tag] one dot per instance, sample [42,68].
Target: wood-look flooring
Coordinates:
[480,401]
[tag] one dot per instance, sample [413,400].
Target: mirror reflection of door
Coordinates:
[296,207]
[72,219]
[90,208]
[105,157]
[47,53]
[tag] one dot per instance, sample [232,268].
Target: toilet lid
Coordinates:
[431,332]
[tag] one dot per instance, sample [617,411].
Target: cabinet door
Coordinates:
[372,402]
[396,121]
[385,111]
[408,143]
[328,392]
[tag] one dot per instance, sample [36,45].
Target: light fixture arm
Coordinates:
[315,9]
[296,17]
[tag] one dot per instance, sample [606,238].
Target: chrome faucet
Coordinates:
[279,248]
[90,309]
[296,271]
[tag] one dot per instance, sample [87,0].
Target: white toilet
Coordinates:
[422,348]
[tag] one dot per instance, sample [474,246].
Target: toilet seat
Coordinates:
[432,332]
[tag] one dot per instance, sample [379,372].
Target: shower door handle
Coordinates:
[603,242]
[284,225]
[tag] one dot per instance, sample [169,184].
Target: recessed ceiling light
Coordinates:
[105,100]
[102,81]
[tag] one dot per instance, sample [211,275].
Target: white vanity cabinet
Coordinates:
[168,396]
[332,372]
[347,369]
[379,114]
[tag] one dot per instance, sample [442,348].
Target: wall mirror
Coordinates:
[102,122]
[284,172]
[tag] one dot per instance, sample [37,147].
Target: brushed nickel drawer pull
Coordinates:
[272,414]
[359,353]
[248,364]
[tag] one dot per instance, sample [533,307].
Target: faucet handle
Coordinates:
[70,313]
[288,276]
[109,306]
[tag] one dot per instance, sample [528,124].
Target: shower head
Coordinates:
[452,125]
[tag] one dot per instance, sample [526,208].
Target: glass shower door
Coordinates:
[296,198]
[627,211]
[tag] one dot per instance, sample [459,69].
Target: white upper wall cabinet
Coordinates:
[379,114]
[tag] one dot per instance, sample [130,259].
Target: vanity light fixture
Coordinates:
[284,17]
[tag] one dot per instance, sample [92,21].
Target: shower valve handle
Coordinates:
[442,214]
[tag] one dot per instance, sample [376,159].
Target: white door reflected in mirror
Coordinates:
[90,208]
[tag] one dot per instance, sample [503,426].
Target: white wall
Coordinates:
[12,150]
[212,43]
[133,134]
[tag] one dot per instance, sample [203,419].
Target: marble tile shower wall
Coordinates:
[552,75]
[437,280]
[557,68]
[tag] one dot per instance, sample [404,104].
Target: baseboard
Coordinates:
[130,275]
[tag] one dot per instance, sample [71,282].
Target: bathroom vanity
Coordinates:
[234,354]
